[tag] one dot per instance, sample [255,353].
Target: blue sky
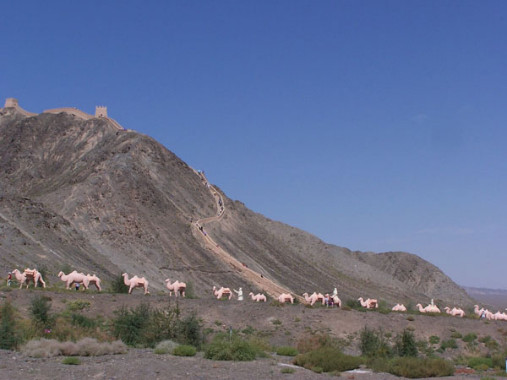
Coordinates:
[375,125]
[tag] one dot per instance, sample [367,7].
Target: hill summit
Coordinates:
[83,193]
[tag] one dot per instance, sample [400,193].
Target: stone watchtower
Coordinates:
[11,102]
[100,111]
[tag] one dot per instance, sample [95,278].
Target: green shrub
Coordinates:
[414,367]
[225,347]
[373,343]
[327,359]
[287,351]
[470,337]
[189,291]
[82,321]
[479,363]
[406,344]
[39,311]
[9,337]
[498,360]
[185,350]
[72,360]
[434,339]
[189,331]
[451,343]
[118,285]
[410,318]
[456,335]
[288,370]
[78,305]
[165,347]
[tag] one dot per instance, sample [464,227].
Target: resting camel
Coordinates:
[399,307]
[314,298]
[370,303]
[285,297]
[258,297]
[177,287]
[74,278]
[500,316]
[219,293]
[455,312]
[27,276]
[135,282]
[428,309]
[94,280]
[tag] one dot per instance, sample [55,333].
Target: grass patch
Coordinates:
[414,367]
[327,359]
[226,347]
[71,360]
[479,363]
[470,337]
[287,351]
[450,343]
[45,348]
[287,370]
[185,350]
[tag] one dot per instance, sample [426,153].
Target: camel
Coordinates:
[74,278]
[27,276]
[219,293]
[500,316]
[177,287]
[455,312]
[399,307]
[94,280]
[135,282]
[370,303]
[336,301]
[258,297]
[428,309]
[285,297]
[314,298]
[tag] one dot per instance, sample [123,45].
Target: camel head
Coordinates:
[60,274]
[250,294]
[167,280]
[305,295]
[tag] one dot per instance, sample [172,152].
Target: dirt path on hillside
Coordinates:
[272,288]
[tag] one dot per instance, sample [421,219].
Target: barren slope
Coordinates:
[83,193]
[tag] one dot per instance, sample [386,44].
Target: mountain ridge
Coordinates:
[111,201]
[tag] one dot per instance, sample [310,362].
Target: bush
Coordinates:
[190,331]
[71,360]
[118,285]
[165,347]
[415,367]
[82,321]
[39,310]
[470,337]
[434,339]
[479,363]
[288,370]
[327,359]
[374,344]
[225,347]
[9,338]
[286,351]
[451,343]
[185,350]
[498,360]
[45,348]
[406,344]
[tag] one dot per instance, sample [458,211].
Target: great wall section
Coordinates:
[100,112]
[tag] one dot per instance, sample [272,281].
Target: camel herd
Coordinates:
[179,288]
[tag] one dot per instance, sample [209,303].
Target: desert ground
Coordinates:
[280,325]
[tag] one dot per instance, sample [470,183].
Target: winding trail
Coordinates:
[269,286]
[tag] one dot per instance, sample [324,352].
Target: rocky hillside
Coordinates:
[83,194]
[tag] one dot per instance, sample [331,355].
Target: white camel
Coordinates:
[399,307]
[20,277]
[311,299]
[285,297]
[94,280]
[27,276]
[219,293]
[500,316]
[258,297]
[455,311]
[428,309]
[135,282]
[370,303]
[74,277]
[177,287]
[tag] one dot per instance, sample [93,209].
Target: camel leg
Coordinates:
[130,289]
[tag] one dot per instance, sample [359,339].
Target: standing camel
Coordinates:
[27,276]
[285,297]
[258,297]
[219,293]
[314,298]
[74,277]
[370,303]
[135,282]
[94,280]
[176,287]
[399,307]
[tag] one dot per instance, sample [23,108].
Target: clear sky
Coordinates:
[375,125]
